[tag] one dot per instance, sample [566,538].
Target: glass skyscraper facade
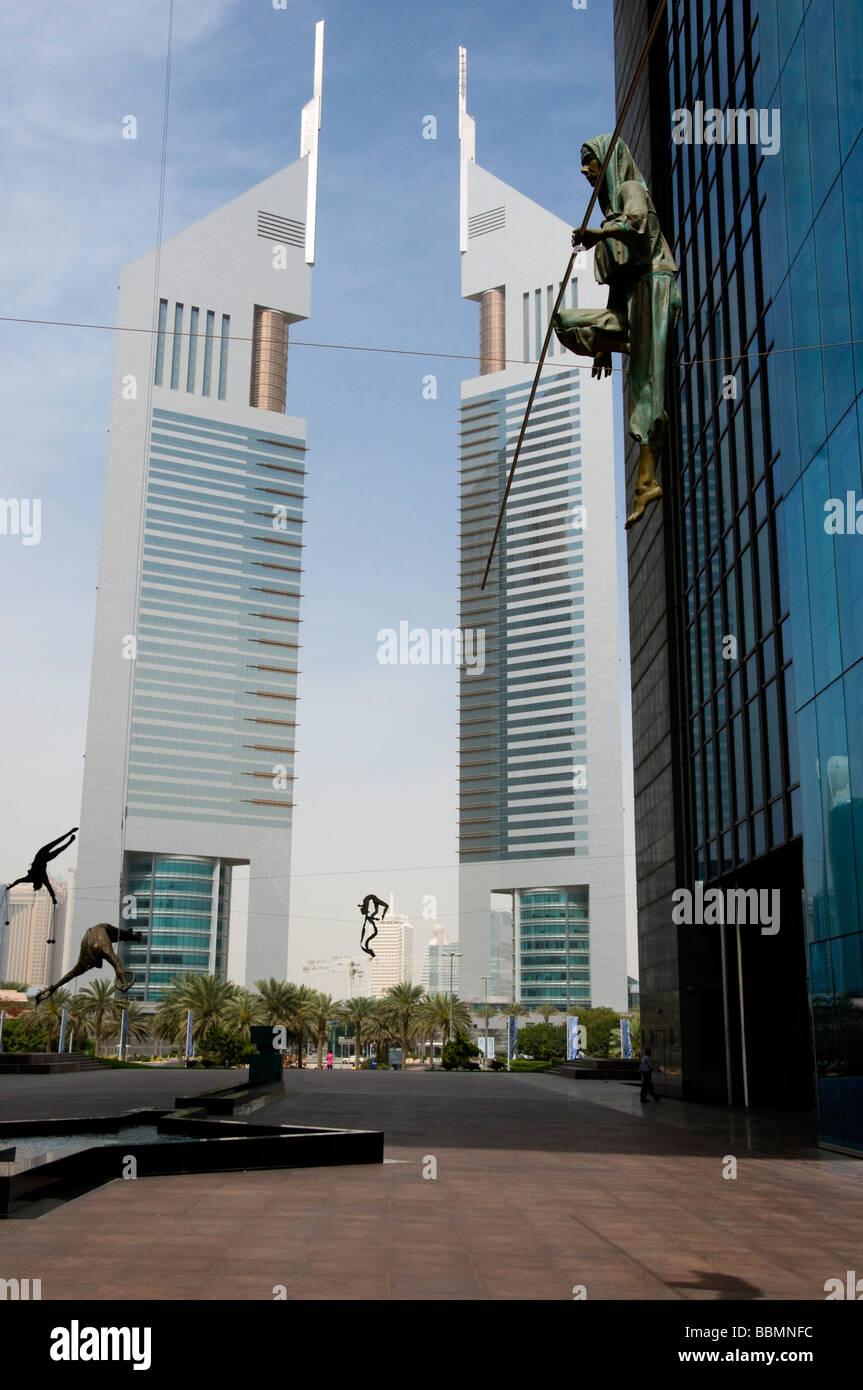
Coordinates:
[523,720]
[183,911]
[554,947]
[215,690]
[763,649]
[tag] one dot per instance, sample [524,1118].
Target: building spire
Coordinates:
[467,145]
[311,124]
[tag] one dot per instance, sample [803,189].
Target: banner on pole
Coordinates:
[625,1039]
[63,1020]
[512,1036]
[572,1048]
[2,1021]
[188,1034]
[124,1035]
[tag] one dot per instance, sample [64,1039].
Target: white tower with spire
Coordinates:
[542,817]
[193,700]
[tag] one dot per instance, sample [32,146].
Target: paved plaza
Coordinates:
[542,1184]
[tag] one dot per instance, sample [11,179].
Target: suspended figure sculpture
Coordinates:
[97,945]
[37,874]
[634,260]
[370,919]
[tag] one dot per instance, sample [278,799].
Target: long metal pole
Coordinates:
[654,29]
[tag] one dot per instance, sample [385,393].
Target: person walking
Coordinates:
[329,1061]
[646,1069]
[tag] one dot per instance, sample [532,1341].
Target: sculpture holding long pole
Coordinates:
[640,336]
[634,260]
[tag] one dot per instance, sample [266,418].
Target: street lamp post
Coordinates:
[452,955]
[485,1020]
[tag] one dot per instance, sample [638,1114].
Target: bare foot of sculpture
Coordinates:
[643,498]
[647,489]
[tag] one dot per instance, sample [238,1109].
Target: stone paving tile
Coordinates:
[541,1185]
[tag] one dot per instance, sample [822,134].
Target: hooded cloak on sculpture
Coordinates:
[643,301]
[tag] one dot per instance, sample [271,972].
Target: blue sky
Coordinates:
[377,744]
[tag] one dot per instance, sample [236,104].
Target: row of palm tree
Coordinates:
[98,1010]
[406,1016]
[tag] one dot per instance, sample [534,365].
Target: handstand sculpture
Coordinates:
[634,260]
[37,874]
[97,945]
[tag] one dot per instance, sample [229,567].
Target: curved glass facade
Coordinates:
[182,906]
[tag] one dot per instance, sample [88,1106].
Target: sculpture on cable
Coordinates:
[370,919]
[37,874]
[634,260]
[97,945]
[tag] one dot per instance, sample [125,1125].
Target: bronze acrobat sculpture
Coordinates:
[370,919]
[634,260]
[37,874]
[97,945]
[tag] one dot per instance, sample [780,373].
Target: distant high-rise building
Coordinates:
[435,978]
[33,921]
[190,738]
[394,954]
[544,817]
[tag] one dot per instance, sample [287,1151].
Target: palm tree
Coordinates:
[169,1021]
[289,1006]
[516,1009]
[427,1020]
[207,996]
[384,1029]
[325,1010]
[435,1012]
[359,1011]
[51,1010]
[277,997]
[139,1023]
[98,1005]
[244,1011]
[402,1003]
[546,1008]
[305,1001]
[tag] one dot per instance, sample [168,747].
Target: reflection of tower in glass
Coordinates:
[436,963]
[190,739]
[841,866]
[502,975]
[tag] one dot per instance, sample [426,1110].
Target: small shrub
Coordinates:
[26,1034]
[460,1053]
[221,1048]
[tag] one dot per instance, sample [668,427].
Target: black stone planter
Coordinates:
[207,1146]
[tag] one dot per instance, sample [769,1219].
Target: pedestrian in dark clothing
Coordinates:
[646,1068]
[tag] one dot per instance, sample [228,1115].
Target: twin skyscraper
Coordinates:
[189,769]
